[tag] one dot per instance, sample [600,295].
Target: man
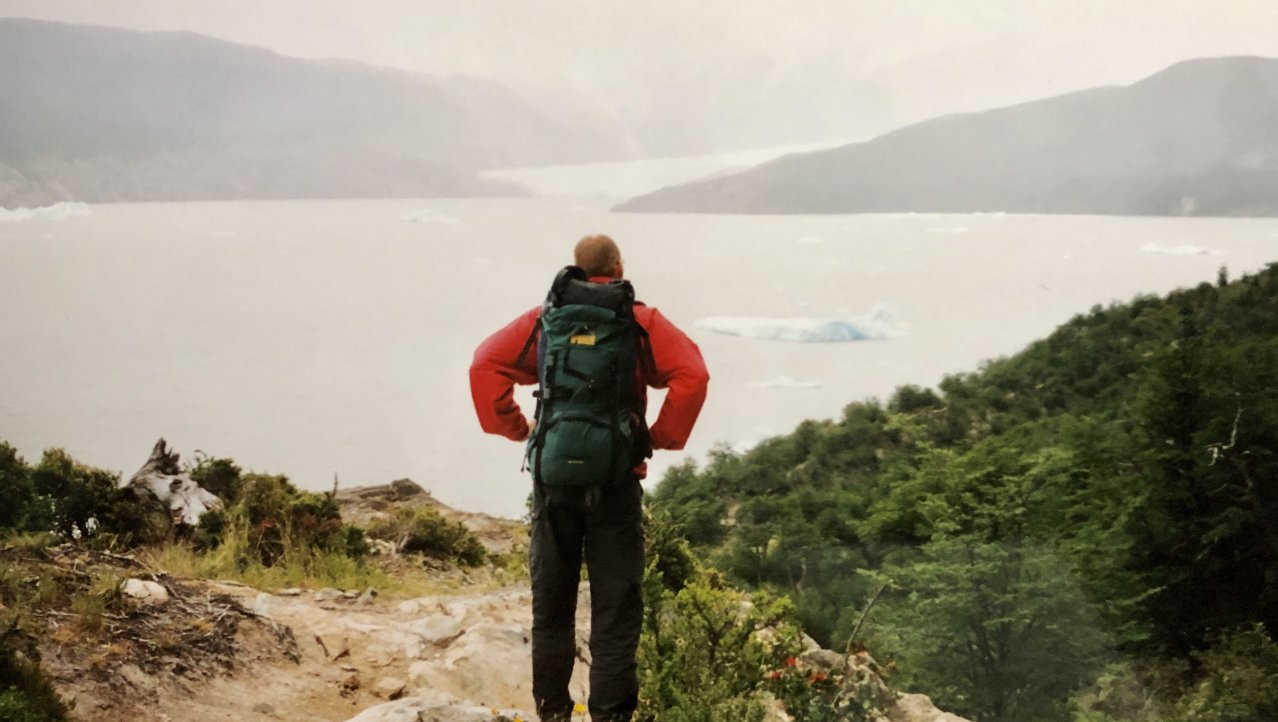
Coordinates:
[603,522]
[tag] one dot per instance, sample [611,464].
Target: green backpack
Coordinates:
[590,403]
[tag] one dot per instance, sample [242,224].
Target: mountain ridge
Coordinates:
[1198,138]
[95,113]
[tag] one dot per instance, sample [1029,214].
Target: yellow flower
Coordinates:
[579,708]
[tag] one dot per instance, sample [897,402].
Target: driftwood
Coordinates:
[161,479]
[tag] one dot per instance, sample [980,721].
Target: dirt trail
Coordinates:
[465,649]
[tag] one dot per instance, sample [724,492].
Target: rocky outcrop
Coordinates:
[449,656]
[367,505]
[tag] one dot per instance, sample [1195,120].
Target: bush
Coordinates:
[668,551]
[1239,683]
[16,494]
[25,693]
[75,500]
[427,532]
[220,477]
[705,650]
[272,519]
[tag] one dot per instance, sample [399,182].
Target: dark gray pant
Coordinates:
[607,525]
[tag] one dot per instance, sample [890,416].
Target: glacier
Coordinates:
[1179,250]
[878,324]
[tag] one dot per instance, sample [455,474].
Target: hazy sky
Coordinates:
[905,58]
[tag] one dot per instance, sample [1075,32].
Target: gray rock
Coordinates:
[328,594]
[438,629]
[918,708]
[417,709]
[144,591]
[390,688]
[823,658]
[403,489]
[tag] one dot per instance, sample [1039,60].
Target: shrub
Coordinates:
[16,494]
[1239,682]
[668,551]
[705,649]
[427,532]
[25,694]
[220,477]
[79,501]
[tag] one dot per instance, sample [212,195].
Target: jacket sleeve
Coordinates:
[494,373]
[679,368]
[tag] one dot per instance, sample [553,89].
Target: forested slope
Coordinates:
[1108,496]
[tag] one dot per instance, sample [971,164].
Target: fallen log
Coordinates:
[162,480]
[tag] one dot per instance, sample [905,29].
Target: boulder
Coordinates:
[918,708]
[144,591]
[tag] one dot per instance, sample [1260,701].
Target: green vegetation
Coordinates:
[1086,531]
[1094,515]
[268,534]
[710,652]
[25,695]
[427,532]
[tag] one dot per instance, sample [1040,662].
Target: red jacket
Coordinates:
[678,367]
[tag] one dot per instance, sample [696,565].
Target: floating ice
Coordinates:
[878,324]
[784,382]
[55,212]
[1179,250]
[427,215]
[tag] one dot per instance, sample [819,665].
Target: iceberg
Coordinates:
[55,212]
[1179,250]
[878,324]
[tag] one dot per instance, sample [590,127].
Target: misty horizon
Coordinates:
[673,81]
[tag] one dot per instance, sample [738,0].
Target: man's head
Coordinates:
[599,256]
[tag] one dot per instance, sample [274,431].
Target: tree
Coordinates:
[989,619]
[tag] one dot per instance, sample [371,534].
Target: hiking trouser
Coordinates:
[606,524]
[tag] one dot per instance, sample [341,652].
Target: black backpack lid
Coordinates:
[573,286]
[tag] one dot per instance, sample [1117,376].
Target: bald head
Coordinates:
[599,256]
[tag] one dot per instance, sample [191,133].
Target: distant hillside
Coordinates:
[1200,138]
[101,114]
